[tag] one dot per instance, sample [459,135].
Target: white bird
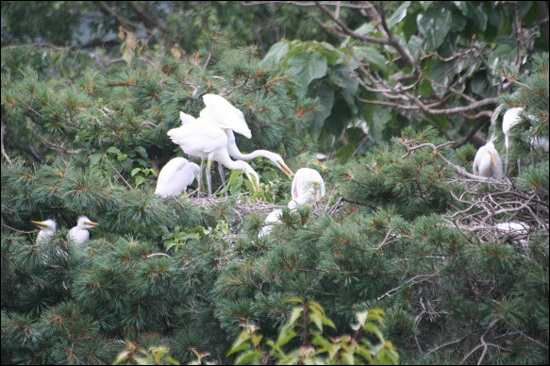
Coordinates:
[511,118]
[271,219]
[80,234]
[210,142]
[308,187]
[48,230]
[221,113]
[487,162]
[175,176]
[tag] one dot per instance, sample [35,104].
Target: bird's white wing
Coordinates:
[187,118]
[221,113]
[198,139]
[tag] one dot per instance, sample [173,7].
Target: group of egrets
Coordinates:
[211,137]
[78,234]
[487,161]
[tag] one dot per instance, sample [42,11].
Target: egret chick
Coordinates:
[175,176]
[271,219]
[79,234]
[487,162]
[48,230]
[308,187]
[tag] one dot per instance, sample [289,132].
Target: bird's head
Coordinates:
[85,222]
[47,224]
[278,161]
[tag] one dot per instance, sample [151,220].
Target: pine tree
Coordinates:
[404,228]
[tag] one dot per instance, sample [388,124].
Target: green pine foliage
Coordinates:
[400,229]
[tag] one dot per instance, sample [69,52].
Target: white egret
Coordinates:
[487,162]
[47,231]
[221,113]
[80,234]
[175,176]
[511,118]
[210,142]
[308,187]
[271,219]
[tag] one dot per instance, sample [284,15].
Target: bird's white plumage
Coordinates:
[208,141]
[80,234]
[487,162]
[271,219]
[308,187]
[47,231]
[234,152]
[175,176]
[223,114]
[511,118]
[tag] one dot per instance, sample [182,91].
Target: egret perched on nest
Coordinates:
[175,176]
[308,188]
[221,113]
[48,230]
[208,141]
[487,162]
[80,234]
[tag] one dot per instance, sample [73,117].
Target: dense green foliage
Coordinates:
[382,89]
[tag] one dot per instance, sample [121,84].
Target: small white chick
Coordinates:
[79,234]
[48,230]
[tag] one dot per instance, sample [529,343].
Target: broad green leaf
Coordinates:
[307,67]
[135,171]
[399,14]
[296,312]
[435,24]
[477,15]
[276,53]
[425,4]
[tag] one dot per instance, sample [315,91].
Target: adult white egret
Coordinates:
[80,234]
[175,176]
[221,113]
[511,118]
[47,231]
[487,162]
[308,187]
[271,219]
[208,141]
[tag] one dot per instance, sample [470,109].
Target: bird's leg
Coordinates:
[199,180]
[209,177]
[222,176]
[506,162]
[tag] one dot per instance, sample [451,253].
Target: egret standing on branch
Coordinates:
[207,141]
[487,161]
[175,176]
[80,234]
[48,230]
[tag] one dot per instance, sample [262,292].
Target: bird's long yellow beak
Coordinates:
[91,223]
[39,223]
[494,159]
[289,173]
